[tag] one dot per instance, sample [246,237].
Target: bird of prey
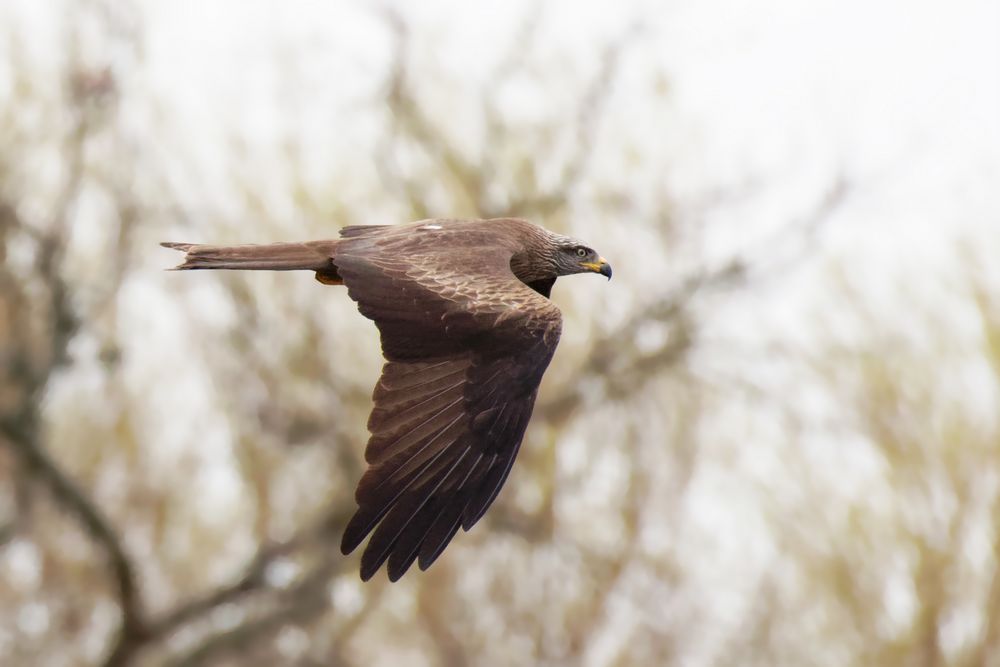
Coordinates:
[467,331]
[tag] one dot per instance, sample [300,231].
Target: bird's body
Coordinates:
[467,331]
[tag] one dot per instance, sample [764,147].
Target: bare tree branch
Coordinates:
[22,426]
[22,432]
[22,436]
[306,600]
[605,360]
[253,578]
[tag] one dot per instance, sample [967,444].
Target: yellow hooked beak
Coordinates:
[600,266]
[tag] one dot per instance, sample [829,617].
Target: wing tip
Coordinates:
[371,562]
[396,572]
[367,573]
[356,531]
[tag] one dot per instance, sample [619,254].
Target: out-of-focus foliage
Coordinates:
[178,452]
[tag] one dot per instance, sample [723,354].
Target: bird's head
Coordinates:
[571,257]
[547,256]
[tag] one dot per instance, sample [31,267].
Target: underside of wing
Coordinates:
[436,460]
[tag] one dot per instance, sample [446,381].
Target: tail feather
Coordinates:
[311,256]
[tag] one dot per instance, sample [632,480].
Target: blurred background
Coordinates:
[772,439]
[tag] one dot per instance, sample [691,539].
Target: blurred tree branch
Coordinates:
[320,536]
[625,373]
[42,303]
[304,601]
[410,123]
[32,361]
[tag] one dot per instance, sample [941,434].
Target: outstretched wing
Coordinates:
[466,345]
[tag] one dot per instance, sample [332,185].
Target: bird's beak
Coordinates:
[600,266]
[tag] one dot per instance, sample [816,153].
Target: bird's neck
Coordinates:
[528,269]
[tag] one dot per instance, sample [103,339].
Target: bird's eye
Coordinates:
[581,252]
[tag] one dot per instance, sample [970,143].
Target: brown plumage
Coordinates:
[467,331]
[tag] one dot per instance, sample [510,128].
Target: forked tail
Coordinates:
[310,256]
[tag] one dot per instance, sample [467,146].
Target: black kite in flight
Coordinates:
[467,332]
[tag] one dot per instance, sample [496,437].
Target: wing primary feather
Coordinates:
[496,420]
[411,538]
[493,387]
[387,390]
[388,532]
[471,518]
[377,451]
[363,521]
[400,468]
[447,522]
[394,372]
[389,420]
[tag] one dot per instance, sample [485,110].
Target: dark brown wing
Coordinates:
[466,345]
